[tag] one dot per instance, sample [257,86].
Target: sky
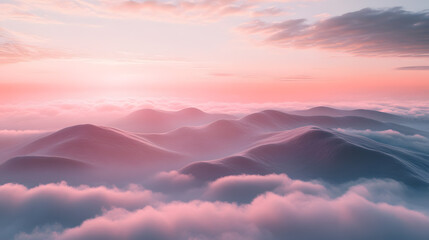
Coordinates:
[79,80]
[222,50]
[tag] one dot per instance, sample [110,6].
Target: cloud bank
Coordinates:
[23,209]
[368,32]
[274,207]
[51,115]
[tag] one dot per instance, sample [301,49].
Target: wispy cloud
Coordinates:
[12,50]
[9,11]
[15,47]
[368,32]
[413,68]
[272,11]
[153,9]
[294,78]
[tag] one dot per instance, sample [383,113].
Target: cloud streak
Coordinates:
[13,50]
[368,32]
[153,9]
[413,68]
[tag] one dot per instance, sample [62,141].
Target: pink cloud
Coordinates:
[272,11]
[280,208]
[25,208]
[10,11]
[185,10]
[13,50]
[178,9]
[269,216]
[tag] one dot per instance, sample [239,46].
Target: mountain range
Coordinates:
[307,145]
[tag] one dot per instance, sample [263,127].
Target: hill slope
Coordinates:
[100,146]
[315,153]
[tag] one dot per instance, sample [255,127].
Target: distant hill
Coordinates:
[376,115]
[157,121]
[225,137]
[100,146]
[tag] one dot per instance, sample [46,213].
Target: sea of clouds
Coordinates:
[233,207]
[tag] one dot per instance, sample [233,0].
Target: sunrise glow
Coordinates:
[214,119]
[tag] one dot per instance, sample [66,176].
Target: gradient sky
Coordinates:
[220,50]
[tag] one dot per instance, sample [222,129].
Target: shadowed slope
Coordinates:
[236,165]
[225,137]
[34,170]
[31,163]
[313,153]
[260,143]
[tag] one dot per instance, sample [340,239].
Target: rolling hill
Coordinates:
[315,153]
